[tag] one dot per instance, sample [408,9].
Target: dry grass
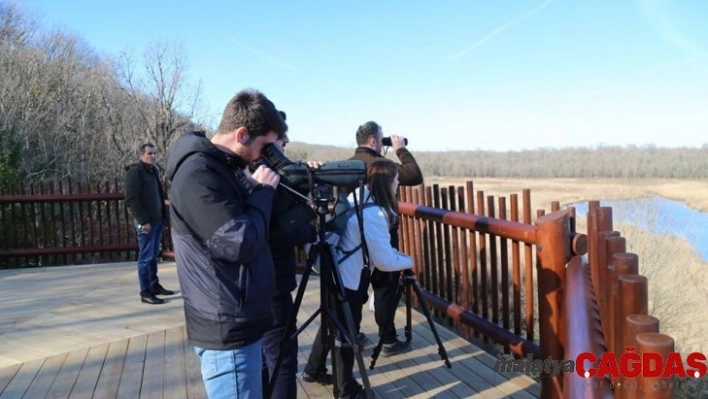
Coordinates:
[692,192]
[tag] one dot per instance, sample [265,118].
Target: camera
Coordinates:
[297,180]
[386,141]
[347,174]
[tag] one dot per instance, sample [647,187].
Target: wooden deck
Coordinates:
[81,332]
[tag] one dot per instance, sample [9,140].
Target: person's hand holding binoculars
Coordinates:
[398,142]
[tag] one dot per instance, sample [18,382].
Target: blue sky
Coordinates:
[452,75]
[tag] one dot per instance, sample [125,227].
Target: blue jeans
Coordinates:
[149,249]
[233,373]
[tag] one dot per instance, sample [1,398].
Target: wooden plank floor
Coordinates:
[81,332]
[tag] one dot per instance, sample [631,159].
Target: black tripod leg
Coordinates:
[389,322]
[329,331]
[348,329]
[291,321]
[426,312]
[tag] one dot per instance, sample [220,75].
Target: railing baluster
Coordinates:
[516,266]
[464,260]
[482,251]
[439,248]
[52,223]
[82,231]
[40,214]
[418,242]
[25,220]
[504,257]
[446,284]
[63,221]
[493,263]
[472,242]
[455,271]
[614,245]
[430,230]
[528,269]
[99,217]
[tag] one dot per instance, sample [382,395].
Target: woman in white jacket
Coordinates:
[378,220]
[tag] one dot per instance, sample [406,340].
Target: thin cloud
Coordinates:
[270,59]
[499,30]
[651,9]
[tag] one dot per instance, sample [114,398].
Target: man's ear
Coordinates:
[242,135]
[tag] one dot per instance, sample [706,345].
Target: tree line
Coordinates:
[576,162]
[68,111]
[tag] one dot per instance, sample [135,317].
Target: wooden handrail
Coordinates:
[503,228]
[582,332]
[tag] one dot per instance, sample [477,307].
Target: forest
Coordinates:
[66,110]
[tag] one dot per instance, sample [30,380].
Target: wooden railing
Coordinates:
[614,301]
[486,265]
[463,261]
[66,223]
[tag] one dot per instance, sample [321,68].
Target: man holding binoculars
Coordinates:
[370,142]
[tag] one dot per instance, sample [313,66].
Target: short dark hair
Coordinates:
[254,111]
[366,131]
[143,148]
[283,116]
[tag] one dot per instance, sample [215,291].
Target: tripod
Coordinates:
[332,294]
[407,282]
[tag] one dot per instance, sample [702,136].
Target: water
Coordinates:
[662,216]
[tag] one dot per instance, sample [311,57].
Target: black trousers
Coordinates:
[286,380]
[343,352]
[385,285]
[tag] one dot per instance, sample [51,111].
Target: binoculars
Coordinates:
[387,141]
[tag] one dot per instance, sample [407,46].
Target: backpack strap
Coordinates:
[348,253]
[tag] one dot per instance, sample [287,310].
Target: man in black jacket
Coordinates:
[369,140]
[145,201]
[220,215]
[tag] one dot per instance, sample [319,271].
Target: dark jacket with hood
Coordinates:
[144,197]
[282,245]
[409,173]
[220,235]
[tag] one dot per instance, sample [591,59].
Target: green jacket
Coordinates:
[144,196]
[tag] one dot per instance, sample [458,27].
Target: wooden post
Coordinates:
[656,387]
[635,324]
[553,251]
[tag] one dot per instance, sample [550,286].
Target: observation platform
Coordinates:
[82,332]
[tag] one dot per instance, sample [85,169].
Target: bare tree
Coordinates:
[157,87]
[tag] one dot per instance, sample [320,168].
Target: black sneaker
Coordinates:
[160,290]
[151,299]
[322,377]
[395,348]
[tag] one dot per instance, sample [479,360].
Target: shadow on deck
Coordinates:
[81,331]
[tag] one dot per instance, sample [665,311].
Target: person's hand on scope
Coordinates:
[397,142]
[314,164]
[264,175]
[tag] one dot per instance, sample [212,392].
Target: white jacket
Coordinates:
[378,241]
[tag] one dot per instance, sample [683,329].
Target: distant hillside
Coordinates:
[603,161]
